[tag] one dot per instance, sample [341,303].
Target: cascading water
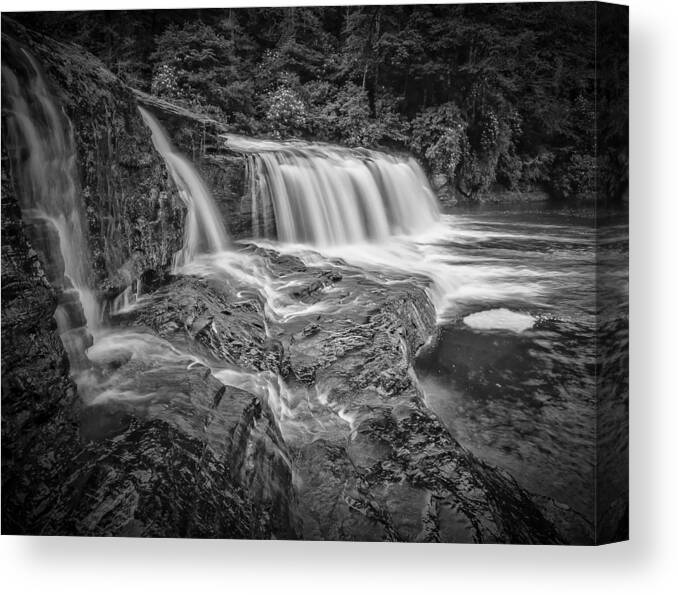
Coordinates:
[327,196]
[204,232]
[127,299]
[40,140]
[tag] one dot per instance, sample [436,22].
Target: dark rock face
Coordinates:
[39,400]
[395,473]
[134,216]
[224,172]
[211,465]
[208,318]
[127,488]
[97,470]
[183,467]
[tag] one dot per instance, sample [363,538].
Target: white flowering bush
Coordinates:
[164,83]
[489,132]
[285,112]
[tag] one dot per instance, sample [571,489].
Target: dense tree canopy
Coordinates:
[486,94]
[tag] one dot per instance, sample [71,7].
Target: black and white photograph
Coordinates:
[317,273]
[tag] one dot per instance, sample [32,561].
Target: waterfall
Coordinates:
[204,231]
[41,144]
[127,299]
[326,195]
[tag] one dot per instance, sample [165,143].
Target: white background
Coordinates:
[646,564]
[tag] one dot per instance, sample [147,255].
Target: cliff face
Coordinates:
[224,171]
[86,470]
[71,468]
[39,400]
[134,216]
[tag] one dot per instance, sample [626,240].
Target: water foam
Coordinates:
[500,319]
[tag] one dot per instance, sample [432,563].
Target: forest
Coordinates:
[508,96]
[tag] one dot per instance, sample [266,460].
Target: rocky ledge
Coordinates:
[134,214]
[364,457]
[339,444]
[39,400]
[194,459]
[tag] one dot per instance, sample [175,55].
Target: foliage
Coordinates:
[164,83]
[487,94]
[438,136]
[575,176]
[285,112]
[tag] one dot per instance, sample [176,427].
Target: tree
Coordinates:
[488,94]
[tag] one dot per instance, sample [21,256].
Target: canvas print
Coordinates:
[353,273]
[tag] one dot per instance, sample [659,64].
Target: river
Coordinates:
[520,392]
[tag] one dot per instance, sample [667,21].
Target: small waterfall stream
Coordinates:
[204,231]
[40,141]
[328,195]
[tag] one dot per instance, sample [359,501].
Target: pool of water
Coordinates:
[513,373]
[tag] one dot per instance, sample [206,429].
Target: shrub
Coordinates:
[285,112]
[438,136]
[164,83]
[574,177]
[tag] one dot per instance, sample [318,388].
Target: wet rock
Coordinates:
[211,318]
[413,482]
[224,172]
[153,481]
[311,292]
[284,263]
[197,459]
[43,237]
[396,473]
[134,214]
[39,401]
[310,330]
[333,506]
[183,456]
[181,114]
